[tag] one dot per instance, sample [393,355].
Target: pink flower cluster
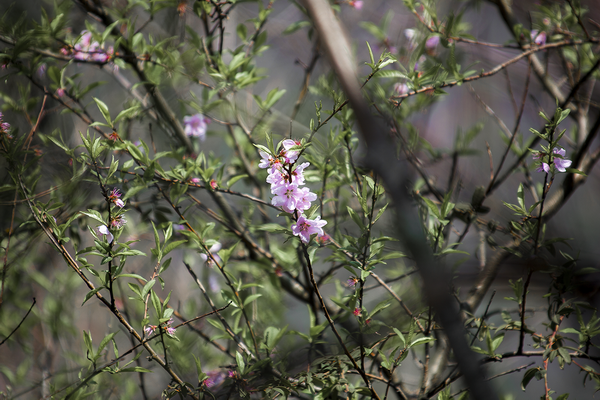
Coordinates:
[149,329]
[114,196]
[560,162]
[286,179]
[87,50]
[4,127]
[117,220]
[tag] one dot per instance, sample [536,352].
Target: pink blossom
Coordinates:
[276,178]
[5,127]
[287,196]
[114,196]
[60,92]
[290,156]
[357,312]
[538,38]
[352,281]
[118,222]
[560,162]
[103,230]
[298,173]
[307,227]
[268,161]
[432,42]
[303,202]
[213,252]
[215,378]
[196,125]
[357,4]
[41,70]
[149,330]
[401,88]
[323,239]
[86,38]
[86,49]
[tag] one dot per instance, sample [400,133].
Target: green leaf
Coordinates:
[565,354]
[104,110]
[135,289]
[134,369]
[432,206]
[95,215]
[497,341]
[240,363]
[126,113]
[296,26]
[521,197]
[355,218]
[156,303]
[235,179]
[87,338]
[169,247]
[420,341]
[242,31]
[147,288]
[371,54]
[529,376]
[105,341]
[108,30]
[201,375]
[575,171]
[91,293]
[251,298]
[273,96]
[563,114]
[400,335]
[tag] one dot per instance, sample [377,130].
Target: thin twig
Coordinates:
[20,323]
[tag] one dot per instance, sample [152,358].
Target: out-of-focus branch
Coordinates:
[526,53]
[161,104]
[505,8]
[381,157]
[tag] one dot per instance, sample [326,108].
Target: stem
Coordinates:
[522,312]
[332,325]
